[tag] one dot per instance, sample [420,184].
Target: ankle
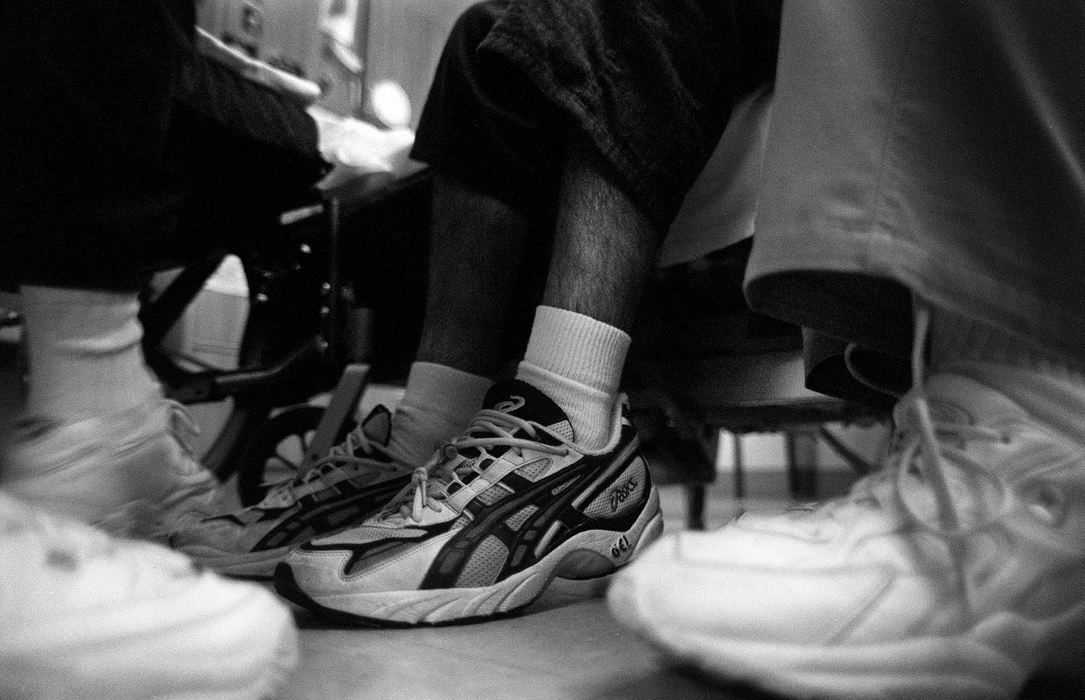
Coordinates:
[85,354]
[438,404]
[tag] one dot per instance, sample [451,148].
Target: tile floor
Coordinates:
[566,645]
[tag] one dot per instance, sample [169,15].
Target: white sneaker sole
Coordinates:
[925,667]
[586,555]
[209,642]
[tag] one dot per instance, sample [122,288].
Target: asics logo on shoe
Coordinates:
[620,547]
[621,494]
[513,403]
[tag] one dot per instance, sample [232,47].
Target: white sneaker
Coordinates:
[87,616]
[130,474]
[956,571]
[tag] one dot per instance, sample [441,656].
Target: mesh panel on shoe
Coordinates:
[516,521]
[493,494]
[624,493]
[534,470]
[563,429]
[485,564]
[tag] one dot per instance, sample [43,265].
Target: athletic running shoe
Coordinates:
[88,616]
[354,481]
[955,571]
[488,523]
[131,474]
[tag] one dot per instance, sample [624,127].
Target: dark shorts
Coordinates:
[649,84]
[123,150]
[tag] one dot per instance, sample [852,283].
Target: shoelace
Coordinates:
[343,454]
[934,451]
[490,428]
[929,452]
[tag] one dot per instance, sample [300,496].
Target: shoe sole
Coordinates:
[243,647]
[943,667]
[586,555]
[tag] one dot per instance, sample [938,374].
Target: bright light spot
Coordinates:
[390,104]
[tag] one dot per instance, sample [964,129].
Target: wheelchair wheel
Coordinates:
[245,338]
[262,313]
[277,448]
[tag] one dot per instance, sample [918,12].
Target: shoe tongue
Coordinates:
[957,400]
[520,399]
[377,426]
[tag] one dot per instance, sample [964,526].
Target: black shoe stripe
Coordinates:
[575,485]
[312,515]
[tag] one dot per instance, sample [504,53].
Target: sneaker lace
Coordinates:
[356,449]
[932,451]
[454,460]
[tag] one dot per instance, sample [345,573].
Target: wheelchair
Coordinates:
[313,281]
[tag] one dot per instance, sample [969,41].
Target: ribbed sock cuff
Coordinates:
[578,347]
[577,361]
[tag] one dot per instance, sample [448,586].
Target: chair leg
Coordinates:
[695,505]
[802,463]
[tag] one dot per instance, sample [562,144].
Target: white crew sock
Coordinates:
[1052,389]
[577,361]
[85,354]
[437,406]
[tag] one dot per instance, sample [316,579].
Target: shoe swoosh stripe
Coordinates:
[297,522]
[448,564]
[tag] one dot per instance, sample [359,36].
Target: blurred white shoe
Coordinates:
[957,570]
[88,616]
[130,474]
